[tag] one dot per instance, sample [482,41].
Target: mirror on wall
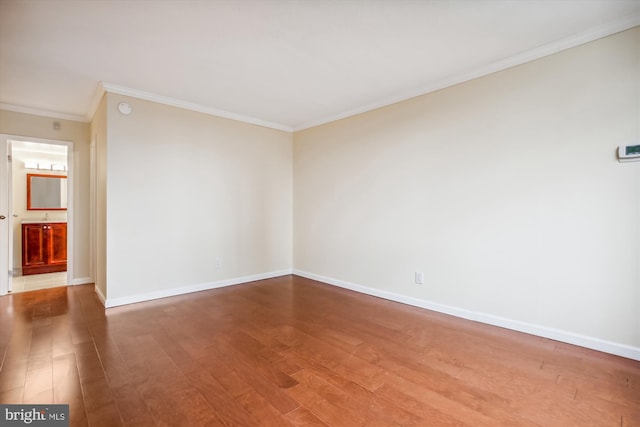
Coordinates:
[46,192]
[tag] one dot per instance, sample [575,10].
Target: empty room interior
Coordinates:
[296,213]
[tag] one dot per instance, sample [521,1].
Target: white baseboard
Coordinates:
[148,296]
[529,328]
[101,296]
[82,281]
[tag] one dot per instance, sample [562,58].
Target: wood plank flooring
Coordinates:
[294,352]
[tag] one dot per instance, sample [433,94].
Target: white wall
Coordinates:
[184,189]
[505,191]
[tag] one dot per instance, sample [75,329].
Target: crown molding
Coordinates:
[521,58]
[41,112]
[147,96]
[531,55]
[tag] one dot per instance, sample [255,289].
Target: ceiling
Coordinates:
[286,64]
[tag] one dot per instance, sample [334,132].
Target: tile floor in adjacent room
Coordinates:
[33,282]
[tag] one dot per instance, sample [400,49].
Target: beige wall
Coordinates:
[184,189]
[27,125]
[505,191]
[99,208]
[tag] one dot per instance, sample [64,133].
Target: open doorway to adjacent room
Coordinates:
[38,200]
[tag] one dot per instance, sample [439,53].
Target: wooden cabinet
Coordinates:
[44,247]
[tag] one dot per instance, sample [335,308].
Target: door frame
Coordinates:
[6,225]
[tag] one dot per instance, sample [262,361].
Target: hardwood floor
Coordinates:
[291,351]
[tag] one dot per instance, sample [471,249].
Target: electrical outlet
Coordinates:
[218,263]
[419,278]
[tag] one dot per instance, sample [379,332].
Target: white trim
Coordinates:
[45,113]
[148,296]
[512,61]
[10,218]
[6,246]
[71,209]
[516,325]
[81,281]
[101,297]
[121,90]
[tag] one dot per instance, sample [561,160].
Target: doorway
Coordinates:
[36,200]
